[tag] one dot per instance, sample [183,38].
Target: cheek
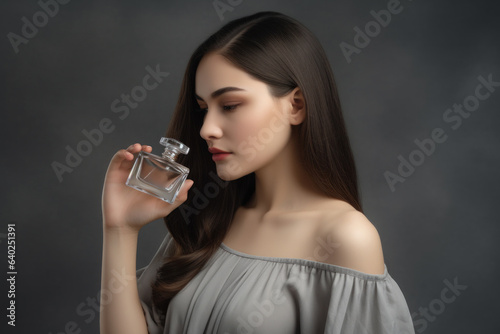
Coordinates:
[248,130]
[259,141]
[243,125]
[262,122]
[262,136]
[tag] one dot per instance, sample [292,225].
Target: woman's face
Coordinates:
[241,117]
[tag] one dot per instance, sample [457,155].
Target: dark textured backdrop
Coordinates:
[439,227]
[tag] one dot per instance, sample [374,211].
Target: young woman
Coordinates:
[271,237]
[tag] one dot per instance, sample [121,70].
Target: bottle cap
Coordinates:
[174,145]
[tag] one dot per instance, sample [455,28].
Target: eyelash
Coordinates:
[230,108]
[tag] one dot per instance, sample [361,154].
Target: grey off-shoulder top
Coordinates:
[240,293]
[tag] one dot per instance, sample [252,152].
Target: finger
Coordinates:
[147,148]
[126,155]
[123,155]
[119,157]
[134,148]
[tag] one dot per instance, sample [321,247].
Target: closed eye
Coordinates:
[225,108]
[230,108]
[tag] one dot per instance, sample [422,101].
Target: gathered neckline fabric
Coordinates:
[310,263]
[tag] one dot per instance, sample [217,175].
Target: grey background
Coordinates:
[440,224]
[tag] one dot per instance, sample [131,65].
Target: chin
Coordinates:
[224,176]
[230,172]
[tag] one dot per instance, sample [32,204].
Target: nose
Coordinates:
[211,128]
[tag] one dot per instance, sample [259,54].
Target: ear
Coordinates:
[298,106]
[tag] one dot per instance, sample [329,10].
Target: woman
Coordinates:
[272,238]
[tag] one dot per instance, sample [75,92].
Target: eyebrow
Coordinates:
[221,91]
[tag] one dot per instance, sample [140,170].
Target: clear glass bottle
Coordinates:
[161,177]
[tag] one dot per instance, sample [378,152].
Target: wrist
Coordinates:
[120,230]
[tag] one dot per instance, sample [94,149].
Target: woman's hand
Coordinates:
[126,208]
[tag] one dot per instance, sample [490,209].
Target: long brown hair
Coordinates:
[284,54]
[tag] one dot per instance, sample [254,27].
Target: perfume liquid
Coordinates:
[161,177]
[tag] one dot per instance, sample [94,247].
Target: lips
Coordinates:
[218,154]
[214,150]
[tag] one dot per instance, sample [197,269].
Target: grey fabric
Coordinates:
[241,293]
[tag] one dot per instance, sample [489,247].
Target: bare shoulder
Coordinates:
[358,241]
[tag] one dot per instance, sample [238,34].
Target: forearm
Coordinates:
[121,311]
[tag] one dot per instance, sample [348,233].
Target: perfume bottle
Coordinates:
[161,177]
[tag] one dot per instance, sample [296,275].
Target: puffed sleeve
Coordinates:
[145,277]
[367,304]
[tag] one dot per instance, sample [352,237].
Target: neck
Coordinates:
[283,185]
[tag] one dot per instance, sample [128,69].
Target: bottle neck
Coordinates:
[170,154]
